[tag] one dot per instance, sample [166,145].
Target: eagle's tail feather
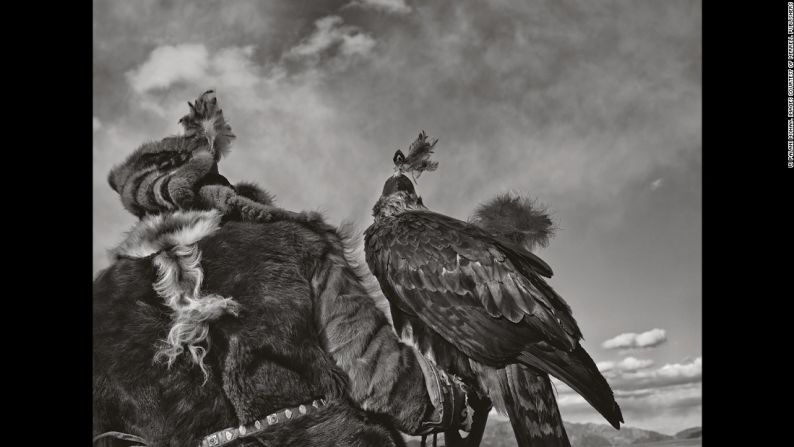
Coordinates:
[528,399]
[580,372]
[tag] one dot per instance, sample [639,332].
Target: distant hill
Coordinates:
[499,433]
[690,433]
[602,435]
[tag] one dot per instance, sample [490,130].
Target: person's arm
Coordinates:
[386,376]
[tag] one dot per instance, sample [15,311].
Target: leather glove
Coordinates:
[449,396]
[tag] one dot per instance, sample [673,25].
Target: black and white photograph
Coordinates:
[397,223]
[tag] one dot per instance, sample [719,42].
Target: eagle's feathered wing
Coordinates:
[484,297]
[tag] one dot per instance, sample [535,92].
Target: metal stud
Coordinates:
[258,425]
[315,404]
[288,414]
[302,409]
[242,430]
[213,440]
[272,419]
[228,435]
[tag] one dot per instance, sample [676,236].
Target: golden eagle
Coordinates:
[475,302]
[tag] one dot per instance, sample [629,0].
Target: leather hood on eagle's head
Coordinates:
[398,196]
[396,183]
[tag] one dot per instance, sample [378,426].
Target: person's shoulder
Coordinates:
[243,228]
[302,235]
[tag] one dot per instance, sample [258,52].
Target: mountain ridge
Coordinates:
[499,433]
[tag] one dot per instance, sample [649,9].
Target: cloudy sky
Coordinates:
[592,107]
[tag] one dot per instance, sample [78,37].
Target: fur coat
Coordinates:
[200,326]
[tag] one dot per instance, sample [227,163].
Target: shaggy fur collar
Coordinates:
[156,233]
[172,241]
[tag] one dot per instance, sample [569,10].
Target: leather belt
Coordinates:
[229,435]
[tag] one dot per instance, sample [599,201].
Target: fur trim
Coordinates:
[155,233]
[172,239]
[254,192]
[517,219]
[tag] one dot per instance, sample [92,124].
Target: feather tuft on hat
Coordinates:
[418,159]
[206,120]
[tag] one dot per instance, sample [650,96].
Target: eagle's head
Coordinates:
[398,195]
[396,183]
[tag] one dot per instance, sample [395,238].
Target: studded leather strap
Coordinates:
[122,436]
[229,435]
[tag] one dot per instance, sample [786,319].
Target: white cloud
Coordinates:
[667,375]
[331,32]
[627,364]
[327,32]
[656,184]
[569,399]
[391,6]
[691,370]
[633,364]
[651,338]
[233,67]
[169,64]
[193,64]
[628,340]
[97,124]
[358,43]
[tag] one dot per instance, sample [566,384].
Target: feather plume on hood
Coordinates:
[418,159]
[517,219]
[206,120]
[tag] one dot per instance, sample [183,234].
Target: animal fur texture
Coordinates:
[181,173]
[171,240]
[302,326]
[206,121]
[516,219]
[168,174]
